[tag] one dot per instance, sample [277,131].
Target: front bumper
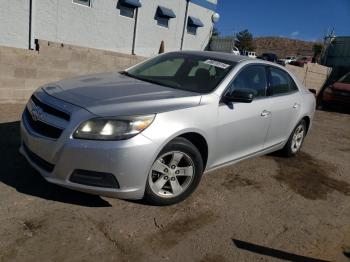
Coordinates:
[128,160]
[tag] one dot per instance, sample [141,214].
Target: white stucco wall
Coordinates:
[14,23]
[99,27]
[150,35]
[201,39]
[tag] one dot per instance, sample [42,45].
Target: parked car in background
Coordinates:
[141,133]
[301,61]
[250,54]
[268,57]
[235,51]
[287,60]
[338,92]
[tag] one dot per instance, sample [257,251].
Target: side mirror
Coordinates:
[239,95]
[313,91]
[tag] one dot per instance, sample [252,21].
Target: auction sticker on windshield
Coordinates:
[216,64]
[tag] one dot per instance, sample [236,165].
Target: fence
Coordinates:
[22,71]
[312,76]
[221,44]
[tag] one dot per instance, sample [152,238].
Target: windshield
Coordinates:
[195,73]
[345,79]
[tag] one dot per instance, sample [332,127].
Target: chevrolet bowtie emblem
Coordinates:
[36,113]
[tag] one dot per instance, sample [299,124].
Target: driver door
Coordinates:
[243,127]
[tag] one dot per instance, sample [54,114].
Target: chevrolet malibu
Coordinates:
[151,131]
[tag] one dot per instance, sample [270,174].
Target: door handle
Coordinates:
[265,113]
[296,105]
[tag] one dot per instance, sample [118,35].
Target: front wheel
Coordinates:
[295,140]
[175,174]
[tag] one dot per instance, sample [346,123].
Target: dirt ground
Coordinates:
[257,210]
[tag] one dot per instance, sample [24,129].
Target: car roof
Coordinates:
[230,57]
[217,55]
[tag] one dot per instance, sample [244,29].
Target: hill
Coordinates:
[283,47]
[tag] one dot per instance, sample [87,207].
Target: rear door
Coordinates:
[285,106]
[242,127]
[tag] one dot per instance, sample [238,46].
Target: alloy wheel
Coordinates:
[298,137]
[171,174]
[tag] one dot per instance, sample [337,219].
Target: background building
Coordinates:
[127,26]
[337,55]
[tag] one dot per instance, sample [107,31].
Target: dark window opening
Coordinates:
[127,7]
[192,30]
[163,15]
[193,24]
[127,11]
[163,21]
[83,2]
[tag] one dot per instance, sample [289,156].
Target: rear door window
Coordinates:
[292,85]
[281,82]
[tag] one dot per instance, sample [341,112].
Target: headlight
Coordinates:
[118,128]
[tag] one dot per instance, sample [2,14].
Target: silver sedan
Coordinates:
[151,131]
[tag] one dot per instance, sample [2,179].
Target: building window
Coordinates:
[163,21]
[83,2]
[163,15]
[192,30]
[193,24]
[127,7]
[127,11]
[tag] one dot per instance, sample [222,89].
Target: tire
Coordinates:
[293,145]
[175,173]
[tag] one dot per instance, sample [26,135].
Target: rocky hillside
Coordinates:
[282,46]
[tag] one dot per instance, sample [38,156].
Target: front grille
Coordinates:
[43,164]
[49,109]
[41,127]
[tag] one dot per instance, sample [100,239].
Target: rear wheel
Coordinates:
[175,173]
[295,140]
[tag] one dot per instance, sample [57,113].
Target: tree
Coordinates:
[317,48]
[215,32]
[245,41]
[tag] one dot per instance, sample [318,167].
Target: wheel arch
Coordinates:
[307,120]
[199,142]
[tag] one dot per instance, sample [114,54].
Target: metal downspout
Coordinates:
[185,24]
[30,24]
[134,35]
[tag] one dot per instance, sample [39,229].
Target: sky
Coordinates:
[299,19]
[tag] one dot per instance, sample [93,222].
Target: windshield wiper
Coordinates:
[126,73]
[146,79]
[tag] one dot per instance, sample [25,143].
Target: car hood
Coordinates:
[111,94]
[341,86]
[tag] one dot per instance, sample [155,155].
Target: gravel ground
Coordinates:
[271,205]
